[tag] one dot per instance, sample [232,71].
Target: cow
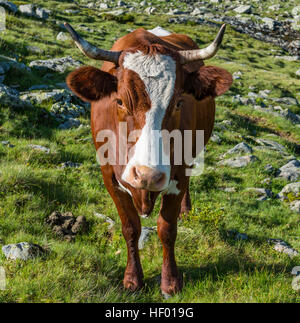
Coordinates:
[150,80]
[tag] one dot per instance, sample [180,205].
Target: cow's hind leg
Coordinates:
[171,280]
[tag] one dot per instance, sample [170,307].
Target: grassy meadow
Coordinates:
[216,267]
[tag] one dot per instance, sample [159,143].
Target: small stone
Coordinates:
[40,148]
[145,236]
[296,271]
[270,144]
[59,65]
[241,236]
[70,164]
[9,6]
[22,250]
[71,123]
[63,36]
[238,162]
[292,188]
[290,171]
[239,148]
[243,9]
[262,193]
[106,219]
[295,206]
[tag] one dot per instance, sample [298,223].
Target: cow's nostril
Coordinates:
[135,173]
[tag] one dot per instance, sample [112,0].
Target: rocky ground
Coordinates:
[60,233]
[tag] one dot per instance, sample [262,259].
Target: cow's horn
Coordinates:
[90,50]
[205,53]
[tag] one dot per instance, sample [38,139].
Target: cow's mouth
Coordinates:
[146,178]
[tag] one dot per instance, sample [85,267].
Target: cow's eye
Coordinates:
[179,104]
[119,102]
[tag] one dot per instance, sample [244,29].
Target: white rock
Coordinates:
[243,9]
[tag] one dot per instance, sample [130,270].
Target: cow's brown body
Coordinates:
[194,114]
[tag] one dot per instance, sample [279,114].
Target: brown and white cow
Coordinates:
[152,80]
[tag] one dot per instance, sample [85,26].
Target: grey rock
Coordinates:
[270,144]
[262,193]
[295,206]
[71,123]
[34,49]
[298,73]
[241,236]
[237,75]
[240,148]
[284,247]
[228,189]
[57,64]
[270,23]
[107,219]
[40,148]
[145,236]
[70,164]
[121,3]
[150,10]
[286,100]
[9,6]
[39,87]
[23,251]
[10,97]
[7,143]
[275,7]
[27,9]
[289,58]
[39,97]
[238,162]
[292,188]
[296,11]
[32,10]
[290,171]
[10,63]
[287,250]
[269,169]
[72,11]
[42,13]
[215,138]
[63,111]
[63,36]
[296,271]
[243,9]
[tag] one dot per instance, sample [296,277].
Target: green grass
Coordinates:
[216,267]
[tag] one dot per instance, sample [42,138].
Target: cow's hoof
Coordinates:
[171,286]
[132,283]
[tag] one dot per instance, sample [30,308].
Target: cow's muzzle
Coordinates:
[143,177]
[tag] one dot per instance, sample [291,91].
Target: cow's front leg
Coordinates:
[171,280]
[186,204]
[131,229]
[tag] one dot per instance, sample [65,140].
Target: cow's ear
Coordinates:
[208,81]
[91,84]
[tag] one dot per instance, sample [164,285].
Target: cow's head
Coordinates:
[146,90]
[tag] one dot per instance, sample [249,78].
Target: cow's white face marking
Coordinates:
[158,72]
